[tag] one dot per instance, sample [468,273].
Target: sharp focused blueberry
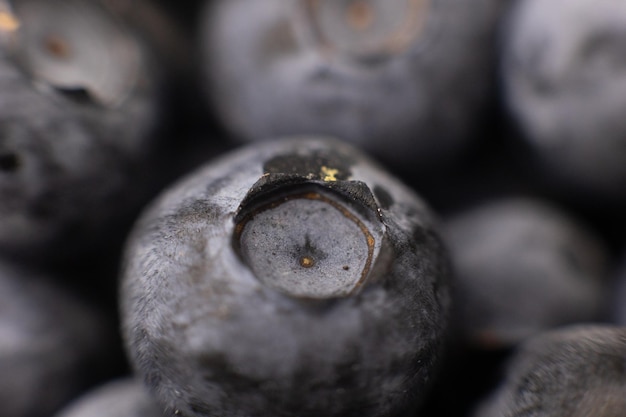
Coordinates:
[564,70]
[52,346]
[401,79]
[576,371]
[524,266]
[273,282]
[125,397]
[79,106]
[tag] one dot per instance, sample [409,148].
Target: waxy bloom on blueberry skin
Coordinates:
[294,277]
[575,371]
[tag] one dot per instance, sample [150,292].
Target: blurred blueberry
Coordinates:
[125,397]
[523,266]
[52,346]
[404,80]
[576,371]
[80,107]
[563,65]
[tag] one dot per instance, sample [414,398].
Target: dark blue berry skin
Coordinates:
[562,71]
[524,265]
[124,397]
[575,371]
[76,160]
[210,337]
[618,298]
[271,72]
[52,345]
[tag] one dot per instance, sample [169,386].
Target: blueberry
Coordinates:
[293,277]
[576,371]
[563,70]
[52,345]
[524,265]
[404,80]
[124,397]
[79,109]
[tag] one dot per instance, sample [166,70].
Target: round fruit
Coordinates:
[565,84]
[524,266]
[404,80]
[78,113]
[52,346]
[289,278]
[576,371]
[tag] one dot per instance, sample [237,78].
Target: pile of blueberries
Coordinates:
[297,208]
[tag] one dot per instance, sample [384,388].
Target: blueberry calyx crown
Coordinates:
[309,235]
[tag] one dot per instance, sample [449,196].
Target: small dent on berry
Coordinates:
[359,15]
[384,198]
[56,47]
[278,40]
[9,162]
